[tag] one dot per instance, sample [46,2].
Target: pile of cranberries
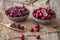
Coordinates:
[36,28]
[45,14]
[18,26]
[17,11]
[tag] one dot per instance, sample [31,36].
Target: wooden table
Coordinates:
[28,23]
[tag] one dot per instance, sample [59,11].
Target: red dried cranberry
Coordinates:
[37,29]
[34,14]
[22,37]
[49,17]
[22,28]
[17,25]
[42,10]
[43,18]
[40,14]
[38,36]
[31,29]
[38,11]
[48,9]
[37,26]
[13,25]
[55,26]
[53,16]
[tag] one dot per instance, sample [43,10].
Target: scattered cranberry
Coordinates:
[55,26]
[37,29]
[37,26]
[38,36]
[22,37]
[31,29]
[17,11]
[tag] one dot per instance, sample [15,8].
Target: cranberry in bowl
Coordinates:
[44,15]
[17,13]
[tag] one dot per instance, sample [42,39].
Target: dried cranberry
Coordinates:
[22,37]
[38,36]
[31,29]
[55,26]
